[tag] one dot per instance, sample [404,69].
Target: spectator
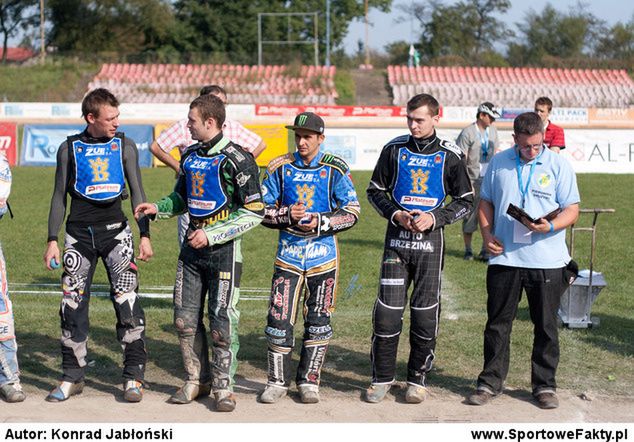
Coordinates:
[553,134]
[478,143]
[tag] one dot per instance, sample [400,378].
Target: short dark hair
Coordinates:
[544,101]
[210,106]
[421,100]
[528,123]
[212,89]
[95,99]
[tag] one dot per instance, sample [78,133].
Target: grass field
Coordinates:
[600,360]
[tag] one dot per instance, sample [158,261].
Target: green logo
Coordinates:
[302,120]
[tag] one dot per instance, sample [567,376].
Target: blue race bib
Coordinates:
[99,172]
[419,182]
[205,194]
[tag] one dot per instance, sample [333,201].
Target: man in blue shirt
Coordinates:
[309,197]
[530,256]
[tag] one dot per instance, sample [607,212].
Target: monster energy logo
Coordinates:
[301,120]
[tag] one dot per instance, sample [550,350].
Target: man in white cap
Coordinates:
[478,142]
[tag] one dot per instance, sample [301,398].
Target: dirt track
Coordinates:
[106,405]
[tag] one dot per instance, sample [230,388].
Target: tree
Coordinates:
[555,35]
[16,15]
[121,26]
[618,42]
[463,31]
[231,28]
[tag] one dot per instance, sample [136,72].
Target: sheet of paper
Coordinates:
[521,234]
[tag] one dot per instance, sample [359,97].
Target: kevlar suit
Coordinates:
[306,262]
[219,188]
[9,369]
[413,174]
[93,171]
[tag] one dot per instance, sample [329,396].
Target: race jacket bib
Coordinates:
[99,172]
[308,185]
[205,194]
[419,182]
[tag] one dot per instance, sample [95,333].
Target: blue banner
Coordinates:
[40,142]
[344,146]
[143,135]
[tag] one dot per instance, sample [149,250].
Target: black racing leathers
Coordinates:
[413,174]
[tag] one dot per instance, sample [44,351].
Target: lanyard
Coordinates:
[524,189]
[484,144]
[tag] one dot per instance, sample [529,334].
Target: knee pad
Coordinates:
[319,332]
[186,323]
[425,322]
[279,336]
[129,310]
[388,321]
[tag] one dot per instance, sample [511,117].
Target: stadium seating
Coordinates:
[180,83]
[513,87]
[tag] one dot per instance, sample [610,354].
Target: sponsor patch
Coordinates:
[392,281]
[256,207]
[242,179]
[419,201]
[253,197]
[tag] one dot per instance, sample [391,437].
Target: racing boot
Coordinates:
[12,393]
[272,394]
[65,390]
[133,390]
[189,392]
[376,392]
[415,394]
[309,393]
[225,401]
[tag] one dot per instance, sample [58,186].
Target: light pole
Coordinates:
[327,33]
[367,49]
[42,51]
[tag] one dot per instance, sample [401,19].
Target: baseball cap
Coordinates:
[308,121]
[489,109]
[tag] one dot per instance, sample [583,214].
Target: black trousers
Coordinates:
[544,288]
[408,259]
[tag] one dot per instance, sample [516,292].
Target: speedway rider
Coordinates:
[411,181]
[219,187]
[92,168]
[309,197]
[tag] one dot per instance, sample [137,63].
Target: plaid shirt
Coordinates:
[177,135]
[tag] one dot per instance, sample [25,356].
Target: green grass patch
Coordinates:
[598,360]
[345,87]
[53,81]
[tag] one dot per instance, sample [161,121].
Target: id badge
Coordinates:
[483,169]
[521,234]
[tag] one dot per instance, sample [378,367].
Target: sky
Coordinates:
[384,29]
